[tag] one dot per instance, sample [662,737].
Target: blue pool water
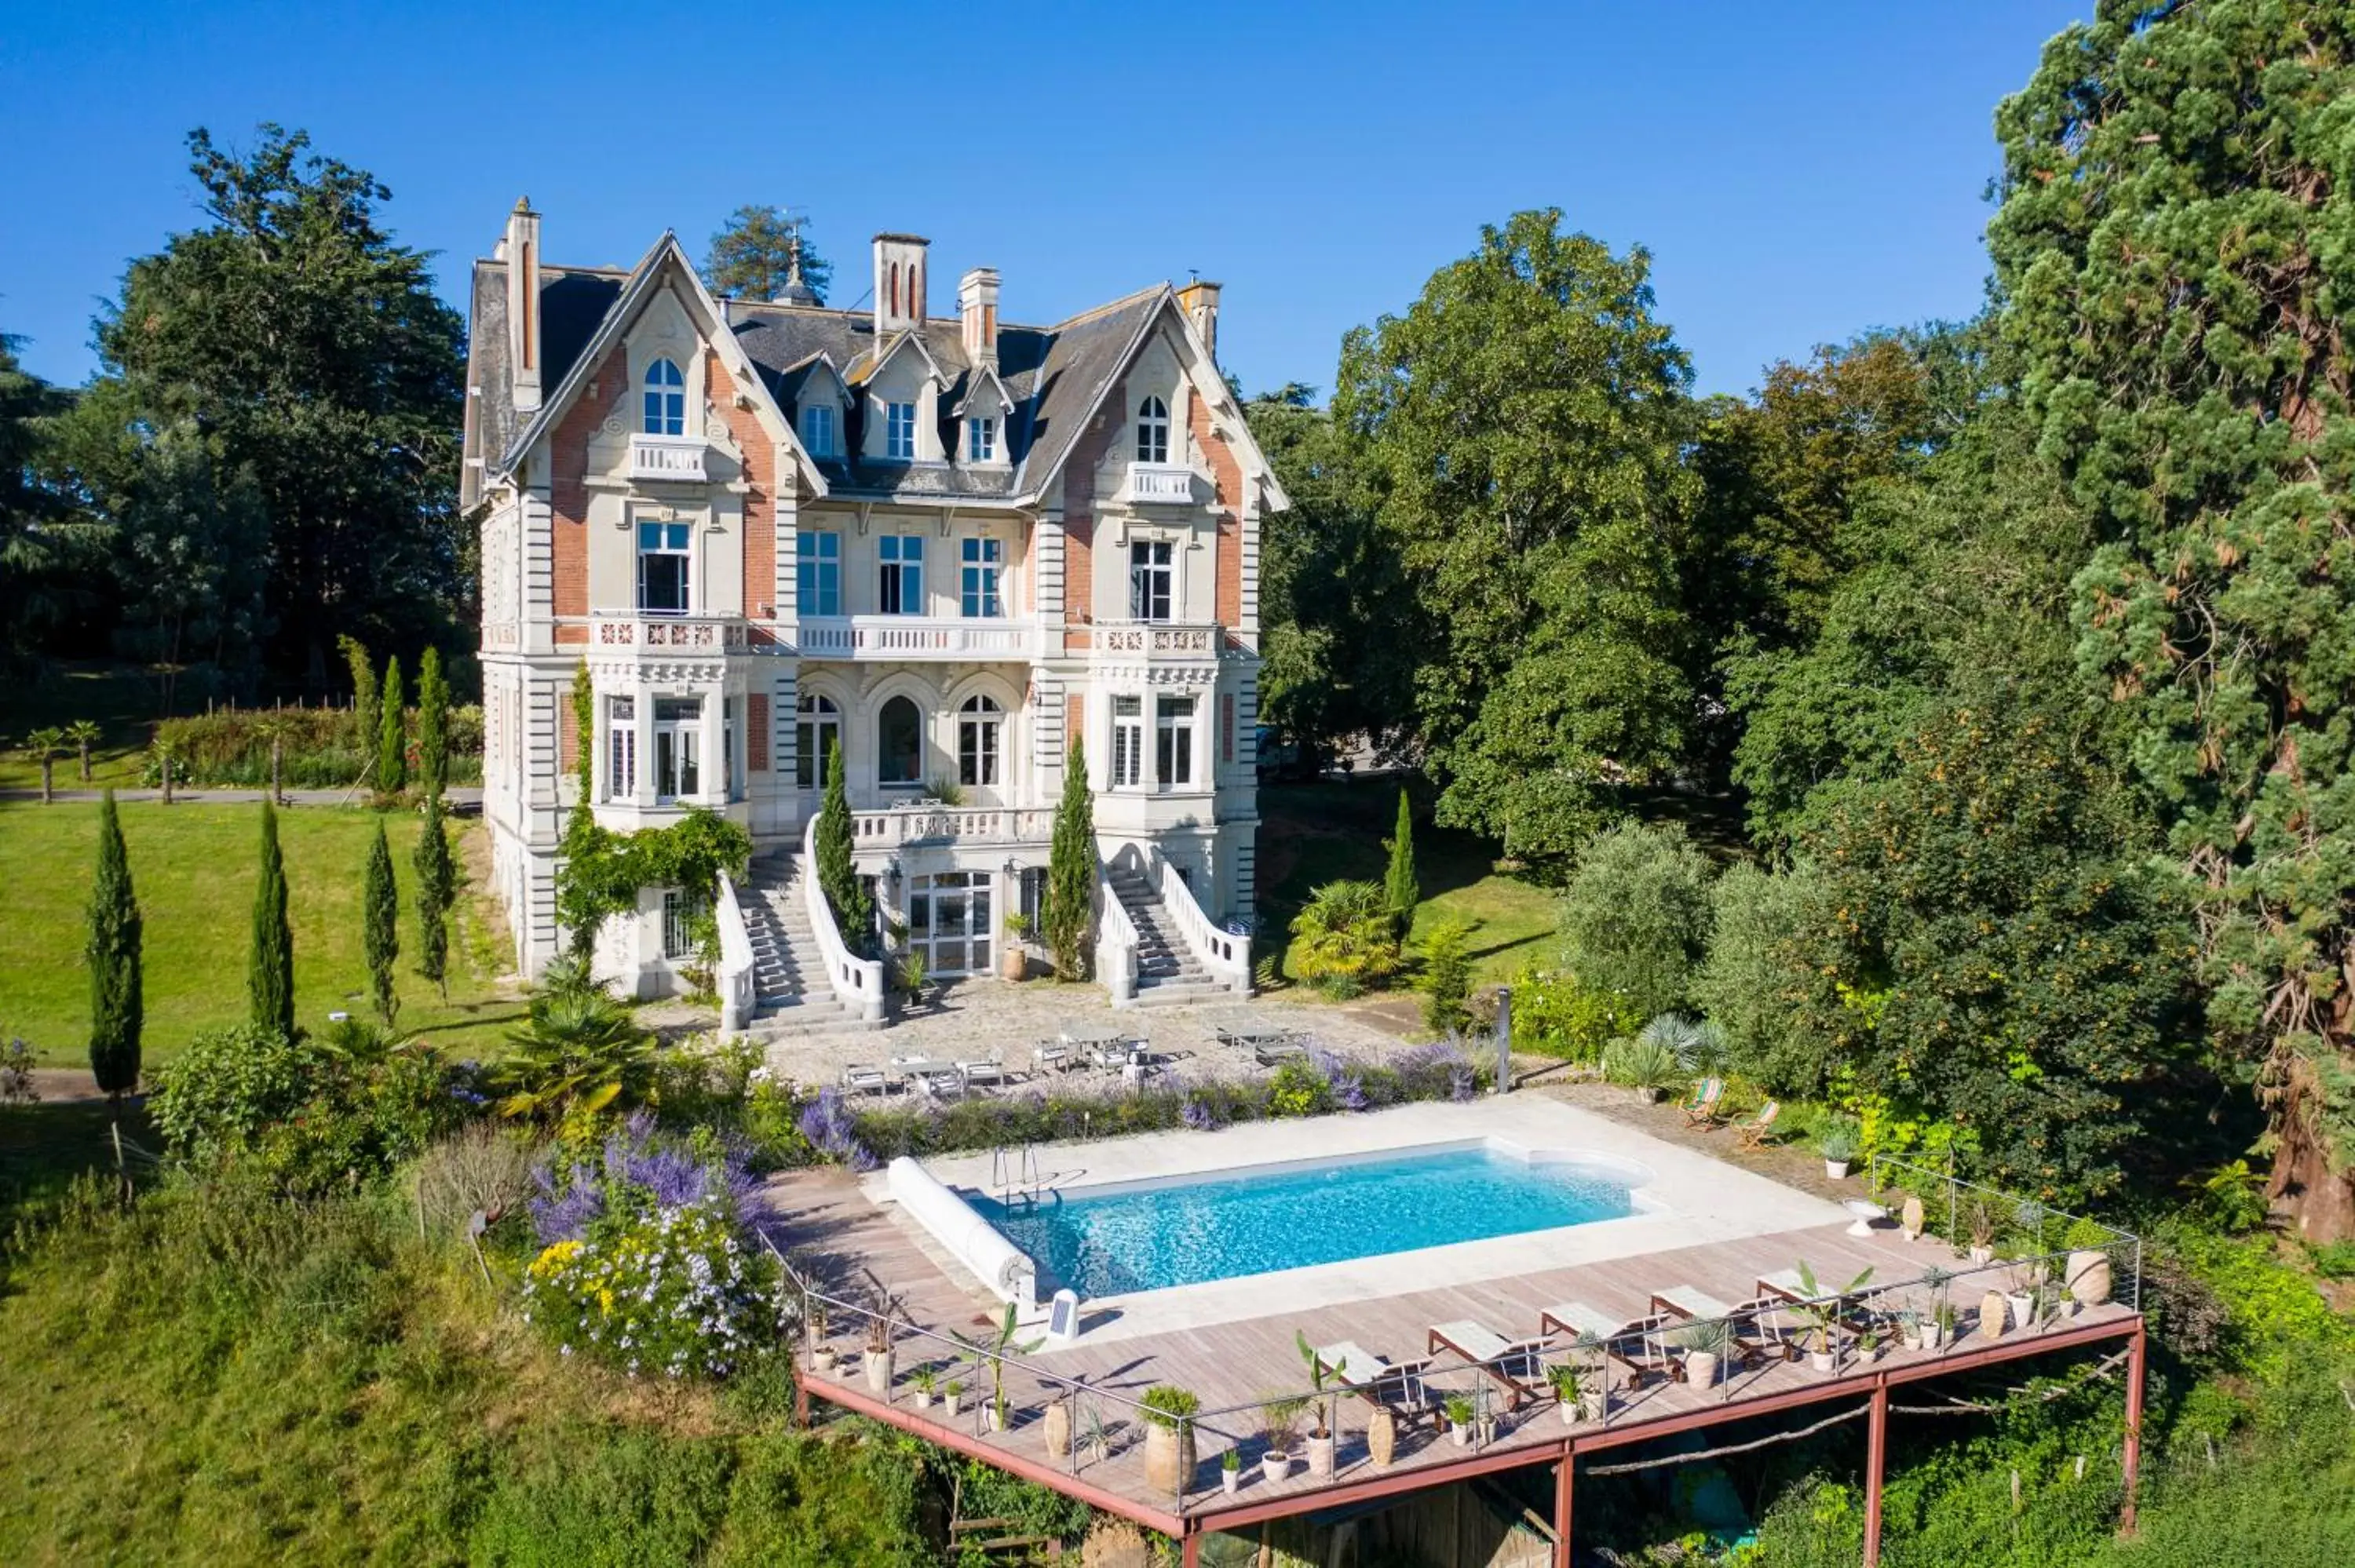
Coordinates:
[1148,1238]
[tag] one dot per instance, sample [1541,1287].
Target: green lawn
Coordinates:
[121,699]
[194,867]
[1311,834]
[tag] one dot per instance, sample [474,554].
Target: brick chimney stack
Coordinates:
[1199,300]
[898,281]
[520,249]
[977,312]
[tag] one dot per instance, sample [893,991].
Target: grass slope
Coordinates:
[194,867]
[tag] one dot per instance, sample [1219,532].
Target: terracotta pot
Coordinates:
[1320,1454]
[2089,1277]
[1381,1438]
[1058,1428]
[878,1365]
[1168,1457]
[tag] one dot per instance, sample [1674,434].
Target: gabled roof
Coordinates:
[868,370]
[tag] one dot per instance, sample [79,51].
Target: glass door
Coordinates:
[679,724]
[949,923]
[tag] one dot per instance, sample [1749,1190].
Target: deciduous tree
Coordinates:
[1634,918]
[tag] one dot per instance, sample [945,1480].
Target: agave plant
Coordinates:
[1640,1064]
[1699,1047]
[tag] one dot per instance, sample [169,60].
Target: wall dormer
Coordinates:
[900,282]
[901,420]
[979,422]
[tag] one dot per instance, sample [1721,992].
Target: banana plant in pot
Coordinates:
[1320,1410]
[1821,1314]
[994,1352]
[1568,1391]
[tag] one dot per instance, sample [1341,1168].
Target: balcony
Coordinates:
[675,458]
[930,823]
[1158,484]
[917,637]
[666,636]
[1157,639]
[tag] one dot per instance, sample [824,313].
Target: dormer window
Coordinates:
[665,403]
[817,429]
[981,440]
[899,431]
[1153,432]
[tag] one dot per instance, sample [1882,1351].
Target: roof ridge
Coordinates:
[1106,309]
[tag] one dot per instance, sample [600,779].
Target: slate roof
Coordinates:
[1054,374]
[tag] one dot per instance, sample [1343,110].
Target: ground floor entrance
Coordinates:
[951,923]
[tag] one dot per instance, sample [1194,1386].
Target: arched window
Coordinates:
[981,725]
[1153,432]
[818,736]
[899,743]
[665,405]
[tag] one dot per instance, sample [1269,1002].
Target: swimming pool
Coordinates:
[1150,1236]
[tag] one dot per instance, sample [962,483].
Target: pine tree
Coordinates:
[432,725]
[1069,904]
[1401,891]
[366,717]
[380,926]
[854,911]
[392,735]
[115,1006]
[270,973]
[437,890]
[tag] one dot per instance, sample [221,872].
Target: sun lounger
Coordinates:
[1512,1363]
[1754,1131]
[1391,1385]
[1611,1335]
[1701,1110]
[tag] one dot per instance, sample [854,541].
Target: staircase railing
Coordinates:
[739,997]
[858,983]
[1115,942]
[1226,956]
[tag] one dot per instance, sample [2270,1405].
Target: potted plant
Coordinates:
[878,1360]
[1937,1324]
[914,976]
[1230,1470]
[995,1352]
[1704,1343]
[1836,1142]
[1867,1344]
[1013,960]
[1170,1437]
[1645,1066]
[821,1354]
[1568,1394]
[2020,1296]
[1320,1411]
[1459,1410]
[1092,1438]
[1979,1221]
[953,1397]
[1942,1329]
[1279,1422]
[923,1379]
[1821,1314]
[2087,1271]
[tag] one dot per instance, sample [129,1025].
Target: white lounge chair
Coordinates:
[1514,1363]
[990,1070]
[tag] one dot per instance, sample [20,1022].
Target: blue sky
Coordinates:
[1800,173]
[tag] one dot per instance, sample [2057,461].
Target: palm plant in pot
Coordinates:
[924,1381]
[2020,1294]
[1704,1344]
[1013,959]
[821,1354]
[1279,1423]
[1169,1437]
[1320,1410]
[995,1352]
[1568,1391]
[953,1397]
[1837,1141]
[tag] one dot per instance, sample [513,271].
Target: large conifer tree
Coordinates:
[115,1003]
[270,970]
[380,926]
[1069,907]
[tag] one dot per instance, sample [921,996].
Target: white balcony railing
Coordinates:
[667,457]
[1167,637]
[930,822]
[667,634]
[916,637]
[1159,483]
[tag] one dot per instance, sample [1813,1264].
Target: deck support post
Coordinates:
[2133,1459]
[1876,1455]
[1564,1474]
[1190,1548]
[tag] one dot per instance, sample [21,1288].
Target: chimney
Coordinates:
[1199,300]
[520,250]
[977,310]
[898,281]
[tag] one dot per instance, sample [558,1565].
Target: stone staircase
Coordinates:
[1167,973]
[791,994]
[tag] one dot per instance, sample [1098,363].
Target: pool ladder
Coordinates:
[1013,1177]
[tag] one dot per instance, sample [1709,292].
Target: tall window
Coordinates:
[978,594]
[981,440]
[817,429]
[901,591]
[679,749]
[1127,742]
[1149,577]
[620,747]
[662,568]
[1153,432]
[818,736]
[1173,740]
[680,911]
[900,430]
[899,743]
[979,725]
[665,405]
[817,573]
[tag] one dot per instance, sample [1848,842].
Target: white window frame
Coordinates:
[1153,430]
[817,732]
[1174,719]
[981,742]
[817,429]
[674,539]
[682,738]
[1127,743]
[899,431]
[662,410]
[817,573]
[980,439]
[980,574]
[1144,570]
[900,574]
[620,748]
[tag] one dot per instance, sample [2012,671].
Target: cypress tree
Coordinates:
[380,926]
[365,715]
[432,725]
[1401,890]
[115,1007]
[1069,902]
[437,888]
[392,734]
[853,912]
[270,973]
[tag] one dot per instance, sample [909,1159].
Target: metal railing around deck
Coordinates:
[1966,1210]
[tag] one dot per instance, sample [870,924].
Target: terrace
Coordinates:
[1708,1241]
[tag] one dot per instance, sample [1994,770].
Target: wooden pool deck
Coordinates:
[842,1240]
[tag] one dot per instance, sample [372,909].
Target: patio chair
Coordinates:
[1701,1110]
[1756,1130]
[1513,1363]
[860,1078]
[989,1070]
[1052,1055]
